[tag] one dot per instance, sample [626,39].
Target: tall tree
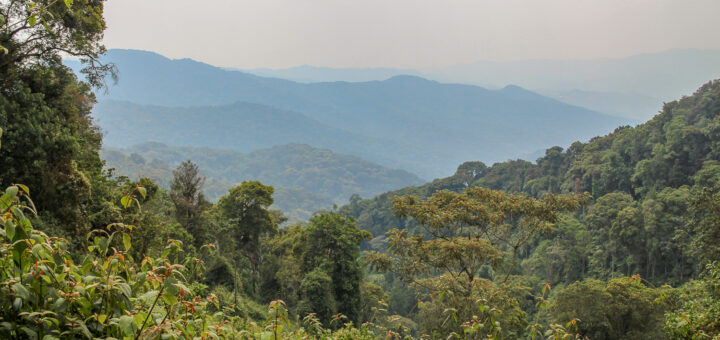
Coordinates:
[245,208]
[333,245]
[50,142]
[190,203]
[466,236]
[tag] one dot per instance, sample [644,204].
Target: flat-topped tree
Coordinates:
[467,251]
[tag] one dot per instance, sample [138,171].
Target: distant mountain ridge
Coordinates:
[443,123]
[633,87]
[243,127]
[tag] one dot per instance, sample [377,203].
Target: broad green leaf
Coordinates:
[126,242]
[85,330]
[68,3]
[147,297]
[139,318]
[125,201]
[10,229]
[170,299]
[32,20]
[125,288]
[142,191]
[8,197]
[58,303]
[126,325]
[24,188]
[21,291]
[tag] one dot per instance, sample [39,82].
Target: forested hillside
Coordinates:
[415,124]
[642,180]
[654,192]
[305,179]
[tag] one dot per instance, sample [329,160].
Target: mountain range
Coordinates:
[634,87]
[403,122]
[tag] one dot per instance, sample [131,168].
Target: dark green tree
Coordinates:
[50,142]
[245,208]
[622,308]
[186,193]
[333,245]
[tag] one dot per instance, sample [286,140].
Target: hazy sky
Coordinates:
[406,33]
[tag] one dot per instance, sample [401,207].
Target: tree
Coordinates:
[190,203]
[50,141]
[705,225]
[467,236]
[37,33]
[333,245]
[51,144]
[316,290]
[245,208]
[698,316]
[624,308]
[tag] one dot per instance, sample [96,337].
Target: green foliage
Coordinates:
[316,290]
[189,200]
[37,32]
[48,294]
[698,316]
[51,144]
[465,235]
[705,245]
[333,245]
[620,309]
[642,179]
[248,220]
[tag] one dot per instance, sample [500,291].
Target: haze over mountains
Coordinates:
[404,122]
[633,87]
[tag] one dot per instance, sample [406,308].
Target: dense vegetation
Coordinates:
[613,239]
[306,179]
[653,213]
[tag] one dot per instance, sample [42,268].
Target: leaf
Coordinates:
[8,197]
[170,299]
[125,288]
[126,325]
[125,201]
[142,191]
[126,242]
[24,188]
[68,3]
[21,291]
[58,303]
[10,229]
[147,297]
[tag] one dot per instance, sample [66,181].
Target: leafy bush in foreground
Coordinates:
[48,293]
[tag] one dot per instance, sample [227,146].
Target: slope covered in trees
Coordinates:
[306,179]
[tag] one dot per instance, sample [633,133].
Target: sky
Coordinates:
[406,33]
